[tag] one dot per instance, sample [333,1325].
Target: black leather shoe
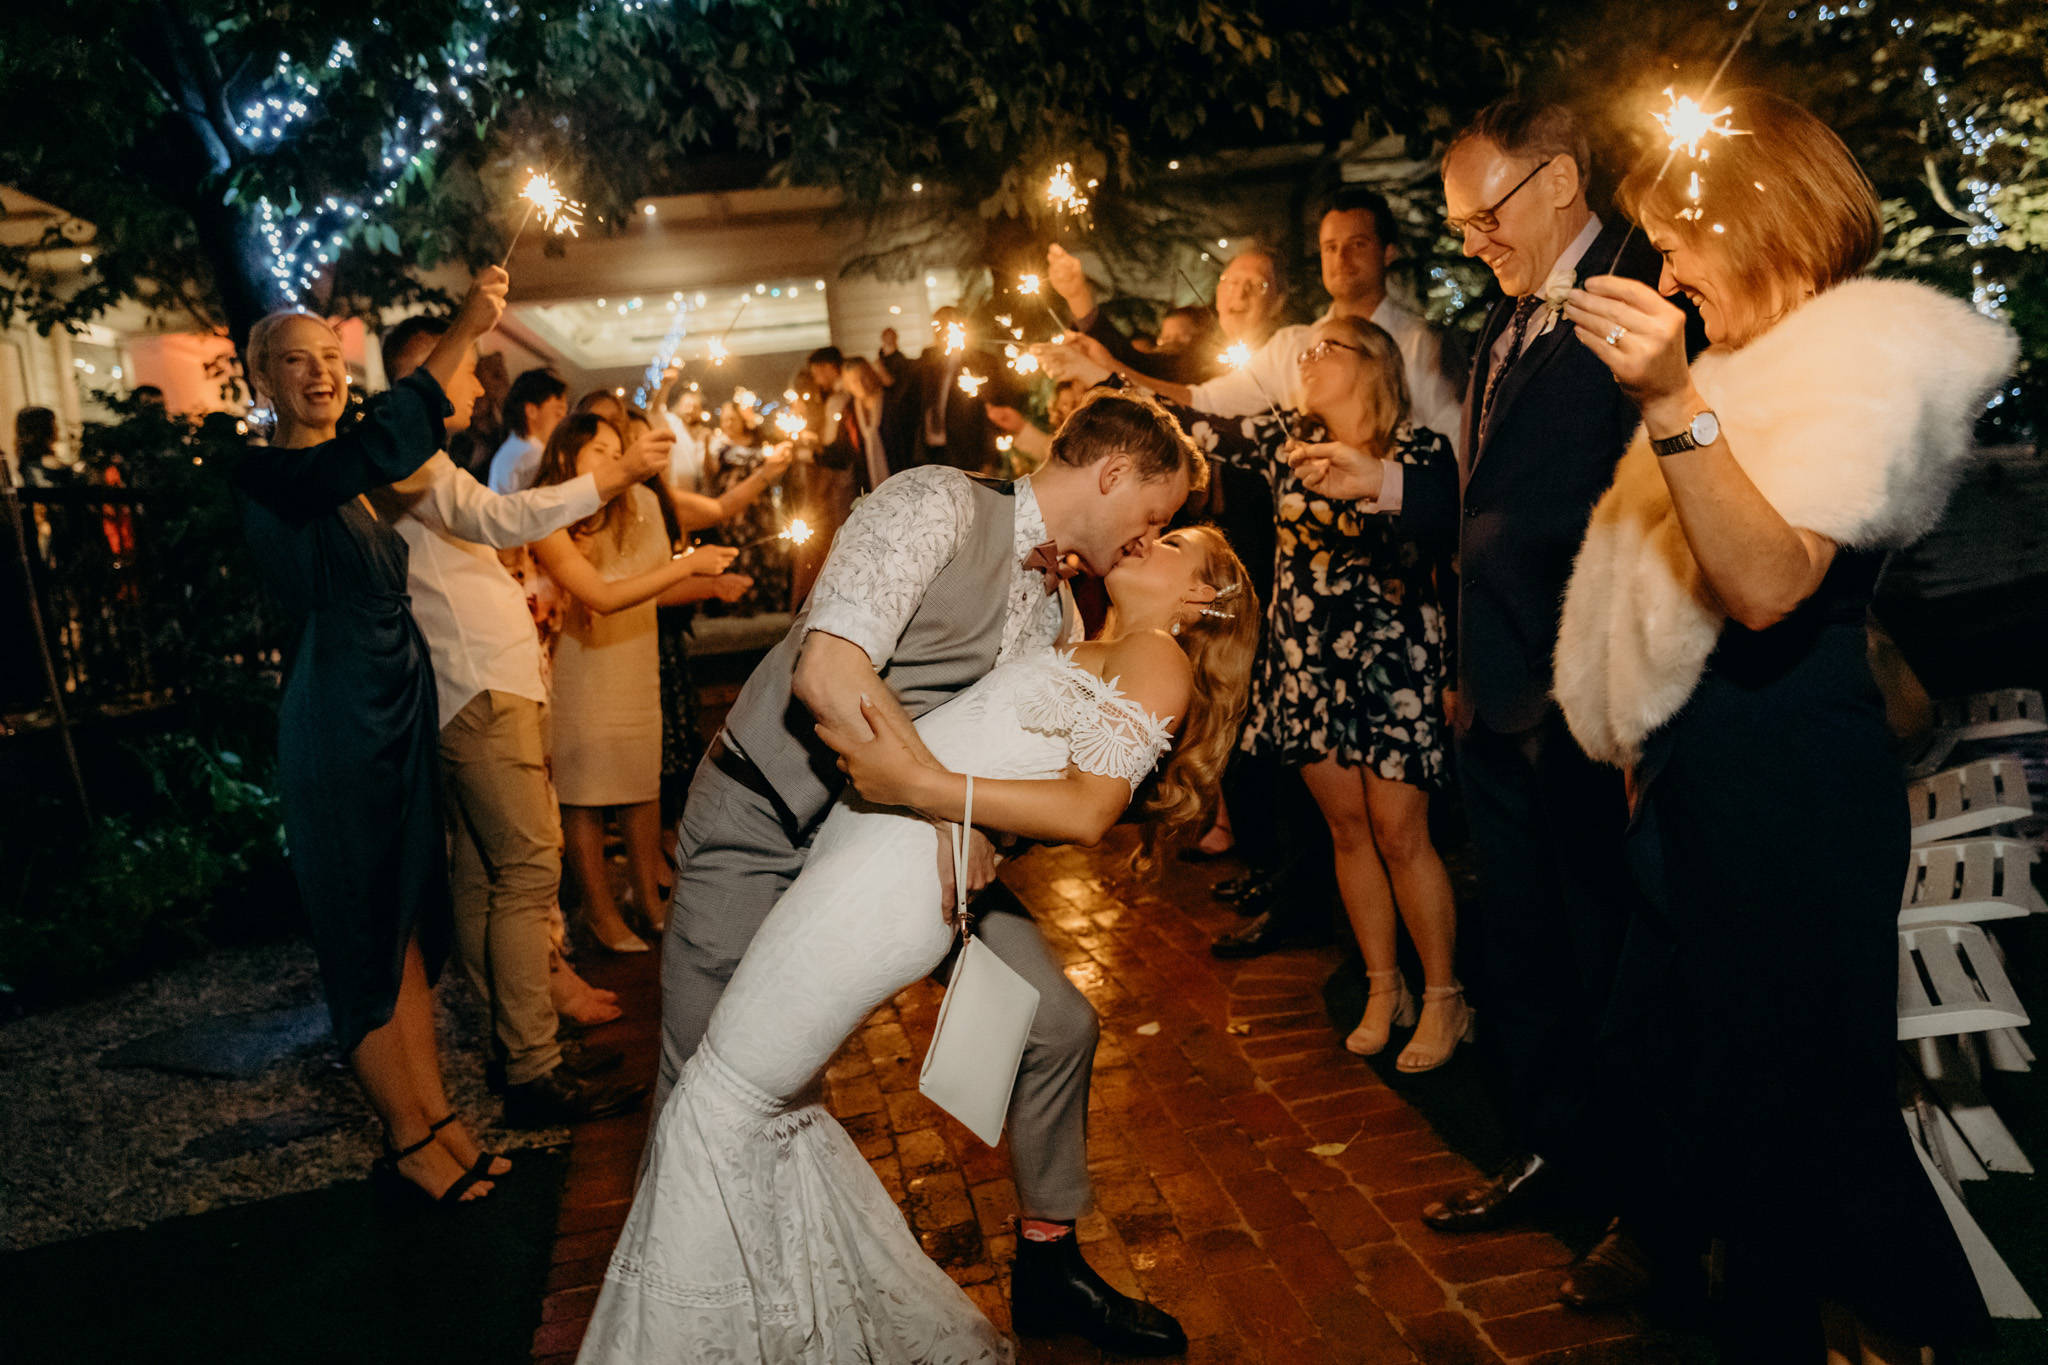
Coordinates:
[1508,1194]
[588,1059]
[1054,1291]
[1269,931]
[1616,1271]
[560,1098]
[1234,890]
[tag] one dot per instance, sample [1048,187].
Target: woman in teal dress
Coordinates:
[357,725]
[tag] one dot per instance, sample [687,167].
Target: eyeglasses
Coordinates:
[1323,348]
[1488,218]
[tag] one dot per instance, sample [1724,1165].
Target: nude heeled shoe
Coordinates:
[1365,1042]
[1412,1060]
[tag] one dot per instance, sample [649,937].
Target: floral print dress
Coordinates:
[1353,664]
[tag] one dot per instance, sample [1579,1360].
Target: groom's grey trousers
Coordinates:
[735,860]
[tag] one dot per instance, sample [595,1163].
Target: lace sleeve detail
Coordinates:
[1108,734]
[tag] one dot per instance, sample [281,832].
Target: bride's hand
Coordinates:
[884,769]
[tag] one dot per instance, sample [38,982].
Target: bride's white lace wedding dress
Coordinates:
[759,1233]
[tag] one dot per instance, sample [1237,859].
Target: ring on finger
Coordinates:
[1615,334]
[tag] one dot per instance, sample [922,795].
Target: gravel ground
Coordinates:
[91,1148]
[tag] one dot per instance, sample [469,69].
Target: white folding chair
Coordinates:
[1992,715]
[1952,984]
[1969,881]
[2001,1289]
[1969,799]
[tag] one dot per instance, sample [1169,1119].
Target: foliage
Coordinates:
[187,606]
[196,856]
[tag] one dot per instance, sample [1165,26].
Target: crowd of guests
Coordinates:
[1606,580]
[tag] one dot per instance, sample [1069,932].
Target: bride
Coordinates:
[759,1233]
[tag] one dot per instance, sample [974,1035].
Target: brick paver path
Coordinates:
[1212,1083]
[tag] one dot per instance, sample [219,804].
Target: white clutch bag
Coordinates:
[984,1022]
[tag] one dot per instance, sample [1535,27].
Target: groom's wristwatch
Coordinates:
[1703,430]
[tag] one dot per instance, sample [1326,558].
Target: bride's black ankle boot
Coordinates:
[1052,1291]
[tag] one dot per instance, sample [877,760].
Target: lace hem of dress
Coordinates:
[1108,733]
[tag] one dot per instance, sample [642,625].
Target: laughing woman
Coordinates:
[1712,647]
[357,728]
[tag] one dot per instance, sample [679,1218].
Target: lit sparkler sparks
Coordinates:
[796,533]
[791,424]
[956,338]
[558,213]
[1239,357]
[1063,194]
[1687,124]
[716,352]
[970,383]
[1032,285]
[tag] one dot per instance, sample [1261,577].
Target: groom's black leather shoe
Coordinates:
[1052,1291]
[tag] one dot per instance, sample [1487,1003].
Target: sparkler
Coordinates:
[791,424]
[716,350]
[1031,285]
[796,533]
[558,213]
[1239,357]
[1686,123]
[1064,196]
[956,338]
[970,383]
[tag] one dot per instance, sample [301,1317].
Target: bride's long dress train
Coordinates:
[759,1233]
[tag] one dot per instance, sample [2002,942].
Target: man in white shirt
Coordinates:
[1357,240]
[506,862]
[536,402]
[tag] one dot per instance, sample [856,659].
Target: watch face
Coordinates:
[1705,428]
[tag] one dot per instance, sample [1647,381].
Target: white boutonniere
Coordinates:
[1563,279]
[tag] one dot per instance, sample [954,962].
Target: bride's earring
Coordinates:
[1176,628]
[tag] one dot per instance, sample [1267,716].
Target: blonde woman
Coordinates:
[358,730]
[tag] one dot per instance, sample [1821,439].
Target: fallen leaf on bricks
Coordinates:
[1147,1030]
[1335,1148]
[1239,1029]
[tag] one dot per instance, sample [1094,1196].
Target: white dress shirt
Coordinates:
[514,466]
[1568,259]
[473,614]
[1433,400]
[687,456]
[894,545]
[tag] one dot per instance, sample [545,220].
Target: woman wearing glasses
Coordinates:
[1350,681]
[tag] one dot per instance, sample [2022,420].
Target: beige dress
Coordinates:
[607,700]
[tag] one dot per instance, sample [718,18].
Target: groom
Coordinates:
[935,579]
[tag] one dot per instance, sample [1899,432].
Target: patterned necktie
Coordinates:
[1524,311]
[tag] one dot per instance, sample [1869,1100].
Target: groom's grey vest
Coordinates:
[950,642]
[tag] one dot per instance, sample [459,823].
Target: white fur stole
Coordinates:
[1852,416]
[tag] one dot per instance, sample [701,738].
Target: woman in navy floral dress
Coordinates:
[1350,685]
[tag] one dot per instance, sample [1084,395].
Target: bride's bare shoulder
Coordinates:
[1150,668]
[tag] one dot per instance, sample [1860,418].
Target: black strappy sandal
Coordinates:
[385,1174]
[480,1169]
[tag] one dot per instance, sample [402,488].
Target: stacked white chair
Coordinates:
[1956,1002]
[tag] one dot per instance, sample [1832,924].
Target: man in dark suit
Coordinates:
[1545,425]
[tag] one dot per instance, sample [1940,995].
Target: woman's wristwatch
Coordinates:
[1703,430]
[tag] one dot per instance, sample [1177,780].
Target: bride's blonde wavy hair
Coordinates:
[1220,644]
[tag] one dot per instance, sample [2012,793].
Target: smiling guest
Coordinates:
[1544,424]
[357,755]
[1713,647]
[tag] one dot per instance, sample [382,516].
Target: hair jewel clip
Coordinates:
[1219,615]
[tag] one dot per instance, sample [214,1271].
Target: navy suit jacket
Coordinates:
[1560,425]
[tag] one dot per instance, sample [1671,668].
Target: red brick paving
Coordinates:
[1212,1082]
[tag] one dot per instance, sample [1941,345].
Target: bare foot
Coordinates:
[577,1000]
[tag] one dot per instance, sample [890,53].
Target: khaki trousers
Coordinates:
[505,867]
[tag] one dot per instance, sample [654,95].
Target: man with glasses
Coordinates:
[1544,426]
